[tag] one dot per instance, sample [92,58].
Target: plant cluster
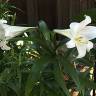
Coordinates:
[40,64]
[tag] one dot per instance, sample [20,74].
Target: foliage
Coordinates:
[6,11]
[43,66]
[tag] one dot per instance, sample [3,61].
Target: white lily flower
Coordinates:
[4,46]
[8,32]
[80,34]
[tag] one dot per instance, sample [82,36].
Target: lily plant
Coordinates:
[7,32]
[80,35]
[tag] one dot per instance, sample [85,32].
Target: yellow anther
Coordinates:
[81,40]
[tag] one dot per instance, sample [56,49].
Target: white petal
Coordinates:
[4,46]
[77,27]
[85,22]
[74,28]
[89,46]
[65,32]
[89,32]
[3,21]
[2,32]
[81,50]
[70,44]
[3,28]
[13,31]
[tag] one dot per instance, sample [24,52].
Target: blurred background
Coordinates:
[56,13]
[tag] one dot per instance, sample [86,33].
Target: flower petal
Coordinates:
[81,50]
[89,46]
[78,27]
[13,31]
[89,32]
[3,21]
[74,28]
[65,32]
[70,44]
[2,32]
[4,46]
[85,22]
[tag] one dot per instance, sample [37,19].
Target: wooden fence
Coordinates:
[56,13]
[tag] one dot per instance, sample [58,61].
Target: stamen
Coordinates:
[81,40]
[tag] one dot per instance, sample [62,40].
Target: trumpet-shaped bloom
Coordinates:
[8,32]
[80,34]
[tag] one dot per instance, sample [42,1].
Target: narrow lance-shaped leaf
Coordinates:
[44,29]
[35,74]
[70,69]
[59,76]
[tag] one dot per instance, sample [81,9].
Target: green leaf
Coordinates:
[35,74]
[3,90]
[15,87]
[69,68]
[86,62]
[59,76]
[86,81]
[44,30]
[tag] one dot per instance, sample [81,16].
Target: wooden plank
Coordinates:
[87,4]
[22,13]
[62,13]
[74,8]
[47,11]
[41,10]
[83,5]
[57,13]
[90,4]
[32,12]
